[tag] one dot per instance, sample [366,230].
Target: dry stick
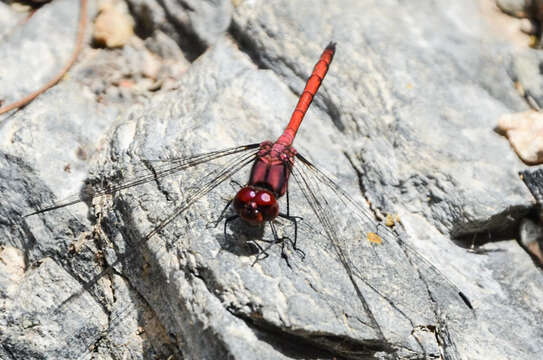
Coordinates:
[78,44]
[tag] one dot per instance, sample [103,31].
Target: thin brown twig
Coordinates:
[78,45]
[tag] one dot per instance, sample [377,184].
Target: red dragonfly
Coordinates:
[272,166]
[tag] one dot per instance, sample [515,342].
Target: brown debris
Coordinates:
[374,238]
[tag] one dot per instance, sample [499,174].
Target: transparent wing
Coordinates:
[212,179]
[154,169]
[370,252]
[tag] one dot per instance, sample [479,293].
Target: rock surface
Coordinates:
[524,71]
[404,121]
[194,24]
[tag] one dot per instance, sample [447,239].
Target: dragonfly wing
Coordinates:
[389,277]
[131,251]
[151,171]
[213,179]
[366,218]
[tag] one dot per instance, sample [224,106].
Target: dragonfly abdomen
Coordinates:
[311,88]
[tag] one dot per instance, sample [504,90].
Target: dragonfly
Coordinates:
[256,203]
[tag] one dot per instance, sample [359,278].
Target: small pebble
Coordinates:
[113,26]
[525,133]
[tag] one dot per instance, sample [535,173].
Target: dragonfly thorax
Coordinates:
[256,205]
[272,167]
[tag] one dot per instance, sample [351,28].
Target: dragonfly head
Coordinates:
[256,205]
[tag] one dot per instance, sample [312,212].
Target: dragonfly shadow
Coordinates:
[474,243]
[240,238]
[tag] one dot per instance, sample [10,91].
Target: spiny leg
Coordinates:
[276,240]
[288,203]
[221,216]
[281,240]
[260,252]
[294,220]
[232,181]
[286,175]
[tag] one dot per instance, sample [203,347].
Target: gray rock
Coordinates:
[194,24]
[9,19]
[51,144]
[34,322]
[41,317]
[525,69]
[411,98]
[38,50]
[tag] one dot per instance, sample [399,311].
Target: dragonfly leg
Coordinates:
[294,220]
[276,240]
[281,240]
[288,203]
[286,175]
[232,181]
[217,222]
[261,251]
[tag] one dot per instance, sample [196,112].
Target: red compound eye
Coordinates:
[264,198]
[244,196]
[255,205]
